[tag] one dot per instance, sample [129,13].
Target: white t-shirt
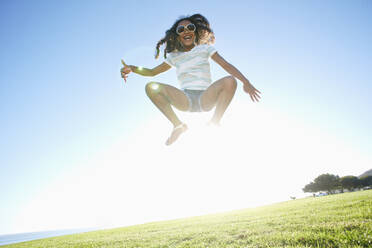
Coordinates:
[193,69]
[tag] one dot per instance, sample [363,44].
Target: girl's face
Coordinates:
[187,36]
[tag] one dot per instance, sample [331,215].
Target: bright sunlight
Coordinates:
[252,159]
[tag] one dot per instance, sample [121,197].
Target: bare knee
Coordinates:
[230,84]
[152,88]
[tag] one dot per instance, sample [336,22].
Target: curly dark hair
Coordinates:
[203,34]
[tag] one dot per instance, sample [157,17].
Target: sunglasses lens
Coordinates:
[180,29]
[191,27]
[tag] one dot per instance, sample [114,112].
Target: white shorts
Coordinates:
[194,97]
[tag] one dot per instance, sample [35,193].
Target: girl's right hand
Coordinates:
[125,71]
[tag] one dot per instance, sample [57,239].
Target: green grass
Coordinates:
[343,220]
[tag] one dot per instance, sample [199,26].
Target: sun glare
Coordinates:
[154,86]
[252,159]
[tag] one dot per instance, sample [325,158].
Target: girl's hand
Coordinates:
[125,70]
[252,91]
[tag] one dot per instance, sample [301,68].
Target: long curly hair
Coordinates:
[203,35]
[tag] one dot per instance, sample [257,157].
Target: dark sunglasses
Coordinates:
[190,27]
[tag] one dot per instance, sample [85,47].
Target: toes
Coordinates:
[175,134]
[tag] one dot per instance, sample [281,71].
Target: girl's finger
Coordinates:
[127,70]
[122,61]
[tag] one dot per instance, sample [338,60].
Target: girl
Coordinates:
[188,49]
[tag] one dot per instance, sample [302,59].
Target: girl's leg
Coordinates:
[219,94]
[163,96]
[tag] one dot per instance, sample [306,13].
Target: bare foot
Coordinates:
[177,131]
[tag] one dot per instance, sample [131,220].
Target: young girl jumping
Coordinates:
[188,49]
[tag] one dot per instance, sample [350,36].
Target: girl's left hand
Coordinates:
[252,91]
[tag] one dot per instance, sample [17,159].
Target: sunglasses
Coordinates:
[190,27]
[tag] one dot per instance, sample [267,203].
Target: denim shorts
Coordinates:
[194,97]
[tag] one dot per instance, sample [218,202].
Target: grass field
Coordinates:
[342,220]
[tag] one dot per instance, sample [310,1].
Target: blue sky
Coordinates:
[62,100]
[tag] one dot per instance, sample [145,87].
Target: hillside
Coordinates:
[367,173]
[342,220]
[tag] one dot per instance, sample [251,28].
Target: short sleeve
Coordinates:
[169,60]
[211,50]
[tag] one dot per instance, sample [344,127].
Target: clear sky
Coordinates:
[78,148]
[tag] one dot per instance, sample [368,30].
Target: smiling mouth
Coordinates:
[187,37]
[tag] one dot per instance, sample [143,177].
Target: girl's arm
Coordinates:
[150,72]
[230,68]
[248,87]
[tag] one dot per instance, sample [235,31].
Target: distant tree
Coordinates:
[327,182]
[350,182]
[366,181]
[324,182]
[310,188]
